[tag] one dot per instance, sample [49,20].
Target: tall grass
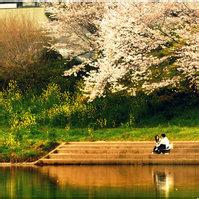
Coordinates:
[55,108]
[31,123]
[25,114]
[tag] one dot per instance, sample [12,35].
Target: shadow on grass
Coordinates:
[179,116]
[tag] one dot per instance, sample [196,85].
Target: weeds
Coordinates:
[34,123]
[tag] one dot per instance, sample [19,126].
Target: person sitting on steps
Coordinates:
[164,146]
[157,143]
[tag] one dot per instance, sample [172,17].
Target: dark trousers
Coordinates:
[155,149]
[161,149]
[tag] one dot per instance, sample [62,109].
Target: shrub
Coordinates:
[21,47]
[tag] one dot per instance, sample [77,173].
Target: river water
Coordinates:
[99,182]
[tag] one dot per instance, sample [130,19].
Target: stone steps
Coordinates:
[120,153]
[126,151]
[119,161]
[118,156]
[104,148]
[125,143]
[79,147]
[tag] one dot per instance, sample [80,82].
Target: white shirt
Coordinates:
[165,141]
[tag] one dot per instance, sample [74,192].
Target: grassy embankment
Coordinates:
[35,117]
[32,125]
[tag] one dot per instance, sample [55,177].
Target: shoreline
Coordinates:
[20,164]
[127,145]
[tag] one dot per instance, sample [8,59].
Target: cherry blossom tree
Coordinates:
[141,47]
[73,27]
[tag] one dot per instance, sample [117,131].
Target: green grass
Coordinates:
[128,134]
[33,124]
[184,126]
[37,146]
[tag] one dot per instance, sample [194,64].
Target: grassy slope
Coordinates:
[184,125]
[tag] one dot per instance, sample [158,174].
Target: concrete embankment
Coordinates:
[124,153]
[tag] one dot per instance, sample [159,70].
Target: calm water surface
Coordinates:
[100,182]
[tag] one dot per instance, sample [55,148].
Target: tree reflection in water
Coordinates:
[100,182]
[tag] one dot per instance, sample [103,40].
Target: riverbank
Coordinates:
[121,153]
[116,153]
[39,145]
[183,126]
[22,164]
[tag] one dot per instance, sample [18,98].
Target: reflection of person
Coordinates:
[164,182]
[157,143]
[163,145]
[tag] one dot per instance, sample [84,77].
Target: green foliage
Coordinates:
[26,112]
[39,107]
[34,123]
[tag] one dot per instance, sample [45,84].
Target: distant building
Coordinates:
[11,4]
[30,9]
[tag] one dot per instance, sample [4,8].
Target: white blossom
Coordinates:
[129,40]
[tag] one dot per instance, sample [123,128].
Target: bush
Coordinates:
[26,114]
[21,47]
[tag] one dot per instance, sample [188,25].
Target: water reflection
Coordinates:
[164,183]
[100,182]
